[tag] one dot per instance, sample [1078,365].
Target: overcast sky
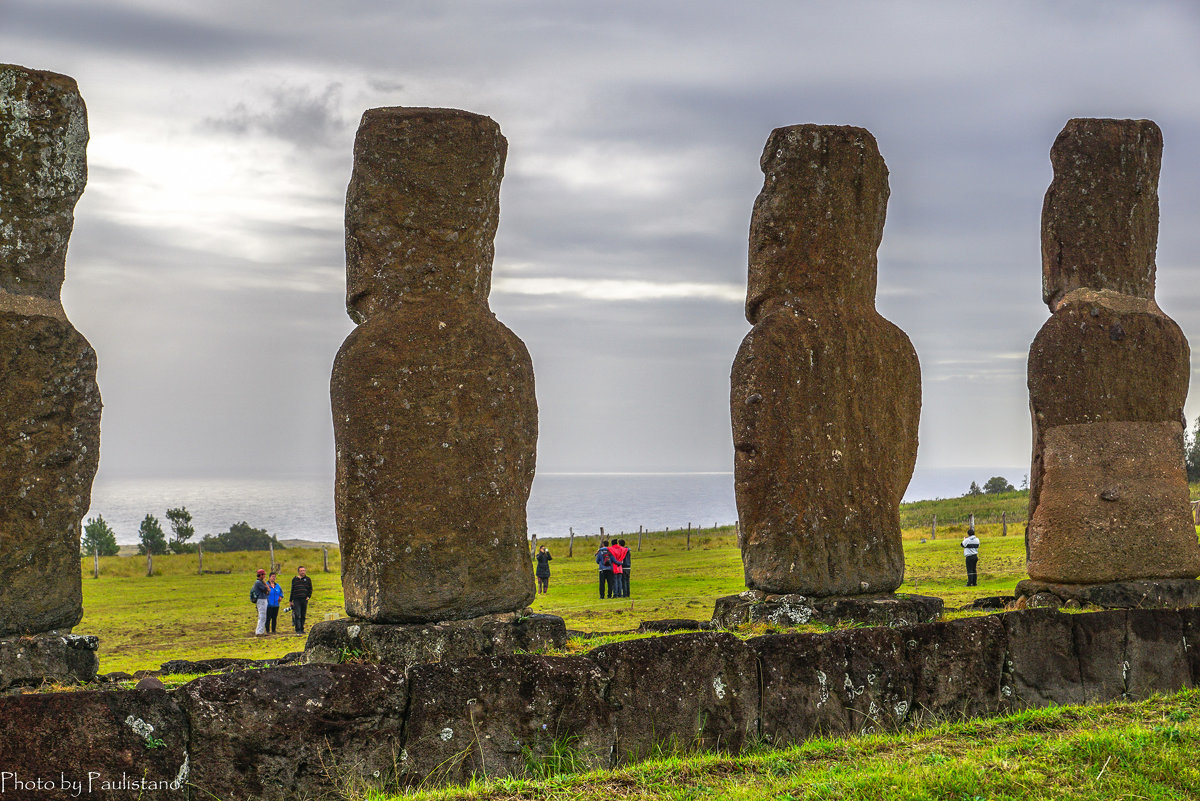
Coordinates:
[207,264]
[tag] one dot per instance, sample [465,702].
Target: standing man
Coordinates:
[302,590]
[970,546]
[605,566]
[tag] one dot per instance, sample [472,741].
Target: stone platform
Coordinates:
[33,659]
[405,644]
[1142,594]
[886,609]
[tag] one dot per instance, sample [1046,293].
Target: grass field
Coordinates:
[1140,750]
[176,614]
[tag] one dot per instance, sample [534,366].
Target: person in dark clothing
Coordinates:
[302,590]
[274,597]
[605,566]
[625,569]
[970,546]
[543,569]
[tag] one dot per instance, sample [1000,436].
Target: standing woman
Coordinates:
[259,596]
[543,569]
[970,546]
[274,598]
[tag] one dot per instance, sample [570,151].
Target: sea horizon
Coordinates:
[301,507]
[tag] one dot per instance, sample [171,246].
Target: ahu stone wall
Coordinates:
[300,731]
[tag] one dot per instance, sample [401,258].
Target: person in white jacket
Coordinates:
[970,546]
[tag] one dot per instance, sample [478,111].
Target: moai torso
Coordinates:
[433,403]
[825,393]
[49,401]
[1108,372]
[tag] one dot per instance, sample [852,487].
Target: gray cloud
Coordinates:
[635,132]
[297,115]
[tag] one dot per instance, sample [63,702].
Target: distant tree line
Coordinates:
[994,486]
[98,537]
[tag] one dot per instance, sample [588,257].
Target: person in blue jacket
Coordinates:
[604,564]
[274,598]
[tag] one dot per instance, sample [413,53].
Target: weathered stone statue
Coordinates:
[826,393]
[433,403]
[1108,372]
[49,401]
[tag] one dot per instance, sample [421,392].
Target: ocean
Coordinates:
[302,508]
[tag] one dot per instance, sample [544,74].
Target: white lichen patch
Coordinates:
[718,687]
[182,776]
[446,734]
[140,727]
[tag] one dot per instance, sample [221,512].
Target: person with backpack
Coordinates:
[970,546]
[604,564]
[259,594]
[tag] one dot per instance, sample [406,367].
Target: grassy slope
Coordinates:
[1140,750]
[176,614]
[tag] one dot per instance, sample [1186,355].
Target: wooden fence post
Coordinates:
[1004,524]
[200,553]
[933,527]
[639,539]
[149,564]
[325,556]
[571,543]
[689,537]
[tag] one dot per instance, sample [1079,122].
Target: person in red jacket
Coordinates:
[618,553]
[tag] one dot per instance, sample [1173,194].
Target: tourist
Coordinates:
[618,552]
[258,596]
[543,569]
[605,566]
[302,590]
[625,569]
[274,597]
[970,546]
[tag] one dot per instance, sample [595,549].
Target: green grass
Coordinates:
[176,614]
[1142,750]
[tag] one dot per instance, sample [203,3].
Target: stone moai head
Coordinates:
[43,169]
[1100,216]
[818,220]
[422,207]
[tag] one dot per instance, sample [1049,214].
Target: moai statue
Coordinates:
[826,393]
[1108,372]
[433,404]
[49,401]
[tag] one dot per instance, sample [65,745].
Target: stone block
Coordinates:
[294,732]
[685,691]
[498,716]
[104,745]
